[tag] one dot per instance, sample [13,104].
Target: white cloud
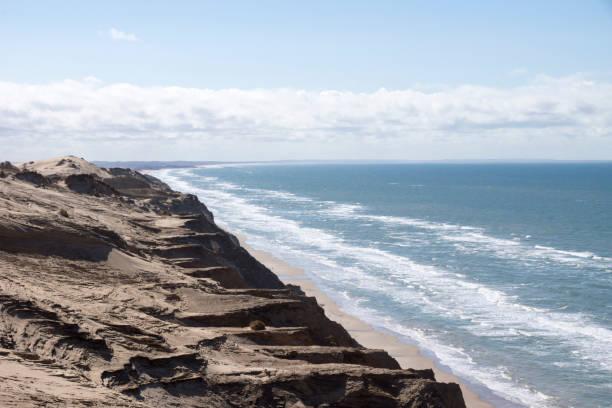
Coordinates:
[518,72]
[92,80]
[549,118]
[121,36]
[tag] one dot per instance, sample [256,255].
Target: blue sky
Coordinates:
[351,47]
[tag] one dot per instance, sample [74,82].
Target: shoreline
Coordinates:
[408,356]
[91,272]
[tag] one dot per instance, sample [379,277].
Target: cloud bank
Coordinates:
[117,35]
[562,118]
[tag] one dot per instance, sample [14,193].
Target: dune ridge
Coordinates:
[118,291]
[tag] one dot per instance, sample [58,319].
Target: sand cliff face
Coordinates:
[117,291]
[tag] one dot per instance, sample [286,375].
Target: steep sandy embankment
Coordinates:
[117,291]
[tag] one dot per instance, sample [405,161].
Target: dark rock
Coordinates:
[88,184]
[33,177]
[8,168]
[257,325]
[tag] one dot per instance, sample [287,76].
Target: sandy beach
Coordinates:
[407,355]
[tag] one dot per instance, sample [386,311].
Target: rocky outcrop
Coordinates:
[117,291]
[6,168]
[88,184]
[33,177]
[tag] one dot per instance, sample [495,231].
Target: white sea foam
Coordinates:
[476,239]
[341,210]
[471,239]
[571,254]
[485,311]
[279,195]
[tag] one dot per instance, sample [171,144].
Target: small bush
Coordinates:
[63,213]
[257,325]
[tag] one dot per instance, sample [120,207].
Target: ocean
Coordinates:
[502,273]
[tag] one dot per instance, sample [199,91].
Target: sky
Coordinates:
[401,80]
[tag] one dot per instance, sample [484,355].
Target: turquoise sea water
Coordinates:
[500,272]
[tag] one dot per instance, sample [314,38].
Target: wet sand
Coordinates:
[407,355]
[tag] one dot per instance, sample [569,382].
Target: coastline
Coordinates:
[407,356]
[95,262]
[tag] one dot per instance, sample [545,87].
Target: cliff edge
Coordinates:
[117,291]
